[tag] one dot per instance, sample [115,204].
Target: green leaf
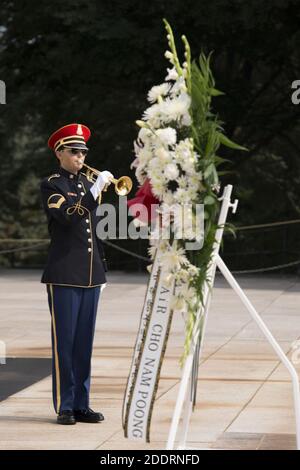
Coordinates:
[215,92]
[229,143]
[208,200]
[209,170]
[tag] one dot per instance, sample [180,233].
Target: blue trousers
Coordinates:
[73,317]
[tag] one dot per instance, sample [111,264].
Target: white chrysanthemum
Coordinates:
[182,276]
[140,175]
[135,163]
[160,237]
[193,270]
[178,87]
[163,155]
[169,198]
[153,112]
[168,279]
[175,109]
[178,304]
[182,196]
[155,165]
[182,181]
[172,74]
[167,136]
[173,258]
[189,294]
[187,161]
[186,119]
[145,155]
[144,135]
[171,171]
[157,91]
[158,187]
[152,251]
[195,179]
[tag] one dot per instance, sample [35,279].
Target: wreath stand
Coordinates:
[187,391]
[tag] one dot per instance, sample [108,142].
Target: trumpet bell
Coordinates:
[123,185]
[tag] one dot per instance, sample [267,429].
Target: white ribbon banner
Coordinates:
[148,355]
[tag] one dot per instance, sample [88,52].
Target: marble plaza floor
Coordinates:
[244,394]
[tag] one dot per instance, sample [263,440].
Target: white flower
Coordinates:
[167,135]
[189,294]
[173,258]
[154,166]
[168,278]
[158,91]
[140,175]
[144,135]
[178,87]
[135,163]
[186,120]
[172,74]
[158,187]
[182,196]
[171,171]
[175,109]
[145,155]
[152,251]
[169,56]
[178,304]
[163,155]
[168,198]
[153,112]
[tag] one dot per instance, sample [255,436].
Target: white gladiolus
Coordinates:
[169,56]
[172,74]
[178,87]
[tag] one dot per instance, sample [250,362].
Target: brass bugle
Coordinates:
[123,185]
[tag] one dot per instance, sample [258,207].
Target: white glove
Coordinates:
[103,179]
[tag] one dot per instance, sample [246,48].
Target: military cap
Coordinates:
[71,135]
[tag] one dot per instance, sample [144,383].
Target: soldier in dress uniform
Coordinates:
[74,273]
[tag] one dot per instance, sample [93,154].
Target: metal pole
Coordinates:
[262,326]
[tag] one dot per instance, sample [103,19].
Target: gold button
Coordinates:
[87,221]
[90,240]
[89,250]
[82,193]
[79,185]
[88,230]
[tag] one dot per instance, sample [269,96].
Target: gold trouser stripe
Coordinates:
[57,373]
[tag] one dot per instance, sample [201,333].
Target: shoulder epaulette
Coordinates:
[56,175]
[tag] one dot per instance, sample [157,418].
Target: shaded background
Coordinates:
[94,61]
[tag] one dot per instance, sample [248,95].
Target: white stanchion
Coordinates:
[185,395]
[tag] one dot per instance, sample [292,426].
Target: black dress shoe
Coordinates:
[66,417]
[88,416]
